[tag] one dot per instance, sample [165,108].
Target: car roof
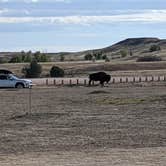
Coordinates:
[3,71]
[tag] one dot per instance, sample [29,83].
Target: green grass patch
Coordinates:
[121,101]
[127,101]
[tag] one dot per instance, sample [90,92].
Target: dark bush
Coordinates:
[97,55]
[3,60]
[88,57]
[104,57]
[62,58]
[33,70]
[123,53]
[16,59]
[154,48]
[56,72]
[149,58]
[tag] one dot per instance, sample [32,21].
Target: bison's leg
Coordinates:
[102,83]
[90,81]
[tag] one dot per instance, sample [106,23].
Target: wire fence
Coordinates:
[53,118]
[17,102]
[85,81]
[42,98]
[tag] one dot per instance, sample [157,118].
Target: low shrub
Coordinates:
[154,48]
[33,70]
[57,72]
[123,53]
[149,58]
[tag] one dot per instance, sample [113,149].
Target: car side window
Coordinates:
[3,77]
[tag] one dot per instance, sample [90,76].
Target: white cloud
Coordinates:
[2,11]
[147,16]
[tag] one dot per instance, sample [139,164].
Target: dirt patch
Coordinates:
[37,116]
[83,119]
[98,92]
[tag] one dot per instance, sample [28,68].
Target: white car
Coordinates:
[11,81]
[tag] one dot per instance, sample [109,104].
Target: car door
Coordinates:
[5,81]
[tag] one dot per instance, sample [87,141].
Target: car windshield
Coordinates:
[13,77]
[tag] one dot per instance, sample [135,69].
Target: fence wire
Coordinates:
[75,118]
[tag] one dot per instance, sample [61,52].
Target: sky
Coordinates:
[76,25]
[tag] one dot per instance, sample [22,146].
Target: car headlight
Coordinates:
[27,83]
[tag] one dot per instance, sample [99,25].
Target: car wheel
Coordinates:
[19,86]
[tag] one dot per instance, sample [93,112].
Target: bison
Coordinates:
[99,76]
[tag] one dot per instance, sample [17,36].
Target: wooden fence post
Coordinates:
[164,78]
[54,82]
[134,79]
[146,78]
[30,101]
[113,80]
[70,82]
[151,78]
[85,82]
[47,82]
[77,81]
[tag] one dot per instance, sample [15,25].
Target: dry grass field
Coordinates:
[83,68]
[122,125]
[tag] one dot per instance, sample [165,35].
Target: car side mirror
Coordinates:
[11,79]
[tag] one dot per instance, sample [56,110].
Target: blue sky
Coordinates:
[75,25]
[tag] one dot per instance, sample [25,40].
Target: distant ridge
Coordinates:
[136,41]
[138,46]
[131,42]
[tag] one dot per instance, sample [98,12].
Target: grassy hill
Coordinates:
[133,46]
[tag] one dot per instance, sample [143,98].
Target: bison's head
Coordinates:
[108,78]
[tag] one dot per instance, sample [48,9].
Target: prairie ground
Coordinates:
[83,68]
[122,125]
